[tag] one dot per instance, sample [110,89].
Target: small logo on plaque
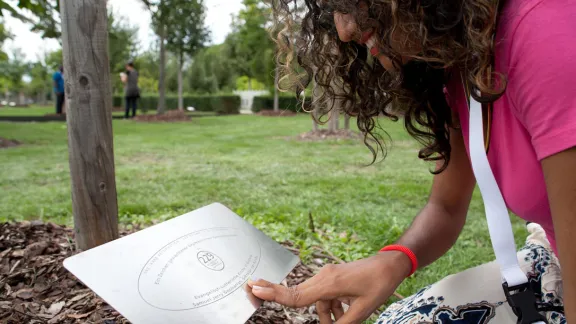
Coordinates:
[210,260]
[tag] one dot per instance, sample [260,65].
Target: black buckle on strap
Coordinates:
[523,302]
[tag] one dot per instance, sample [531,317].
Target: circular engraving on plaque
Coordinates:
[210,261]
[198,269]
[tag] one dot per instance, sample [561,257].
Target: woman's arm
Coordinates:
[366,284]
[437,227]
[560,175]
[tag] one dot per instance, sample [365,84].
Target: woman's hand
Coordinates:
[364,285]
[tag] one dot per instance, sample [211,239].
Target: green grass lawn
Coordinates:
[43,110]
[250,164]
[27,111]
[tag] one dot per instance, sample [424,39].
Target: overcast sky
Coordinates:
[218,19]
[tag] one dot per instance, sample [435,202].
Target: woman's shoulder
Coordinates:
[536,39]
[537,54]
[534,18]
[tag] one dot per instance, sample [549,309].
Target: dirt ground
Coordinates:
[169,116]
[36,288]
[4,143]
[280,113]
[324,134]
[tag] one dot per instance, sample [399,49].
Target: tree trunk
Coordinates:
[180,82]
[249,83]
[43,100]
[276,99]
[89,99]
[21,99]
[347,122]
[162,79]
[333,122]
[315,127]
[276,76]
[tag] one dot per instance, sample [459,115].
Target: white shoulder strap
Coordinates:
[499,225]
[497,215]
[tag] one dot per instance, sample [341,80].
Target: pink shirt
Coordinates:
[536,117]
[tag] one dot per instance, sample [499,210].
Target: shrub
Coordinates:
[284,103]
[221,104]
[118,101]
[226,104]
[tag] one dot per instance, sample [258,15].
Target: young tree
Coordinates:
[218,64]
[13,70]
[41,80]
[54,59]
[122,43]
[89,118]
[159,12]
[211,71]
[147,64]
[251,41]
[186,33]
[4,36]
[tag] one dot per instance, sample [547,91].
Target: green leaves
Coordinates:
[121,46]
[251,47]
[184,21]
[45,15]
[4,35]
[13,70]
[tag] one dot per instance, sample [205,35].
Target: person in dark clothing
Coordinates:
[58,78]
[131,90]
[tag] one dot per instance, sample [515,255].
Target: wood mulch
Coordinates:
[280,113]
[36,288]
[169,116]
[4,142]
[325,134]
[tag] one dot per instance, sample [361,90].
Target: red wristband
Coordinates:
[406,251]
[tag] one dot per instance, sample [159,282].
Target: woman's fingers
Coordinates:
[323,309]
[263,283]
[345,300]
[327,308]
[336,309]
[359,311]
[295,296]
[322,286]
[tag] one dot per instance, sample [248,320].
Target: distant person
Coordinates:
[131,90]
[58,78]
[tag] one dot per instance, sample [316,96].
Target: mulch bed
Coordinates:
[169,116]
[280,113]
[36,288]
[324,134]
[4,143]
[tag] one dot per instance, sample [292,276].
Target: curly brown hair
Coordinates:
[455,35]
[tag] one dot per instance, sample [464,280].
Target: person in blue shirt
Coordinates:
[58,78]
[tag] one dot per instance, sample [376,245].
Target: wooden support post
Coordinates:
[89,117]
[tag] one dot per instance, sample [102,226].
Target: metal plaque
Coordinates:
[190,269]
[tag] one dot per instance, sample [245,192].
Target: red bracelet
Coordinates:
[406,251]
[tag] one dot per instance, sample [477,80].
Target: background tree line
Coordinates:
[181,61]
